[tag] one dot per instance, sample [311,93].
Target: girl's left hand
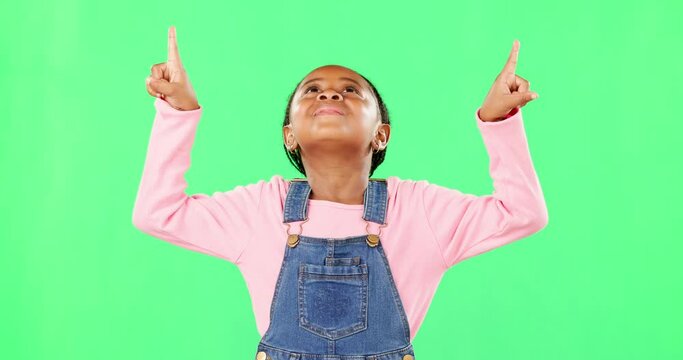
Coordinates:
[509,92]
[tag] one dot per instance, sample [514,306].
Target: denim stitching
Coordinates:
[397,297]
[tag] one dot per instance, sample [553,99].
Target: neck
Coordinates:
[341,179]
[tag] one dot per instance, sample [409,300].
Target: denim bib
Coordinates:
[335,298]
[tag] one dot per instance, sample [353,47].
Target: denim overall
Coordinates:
[335,299]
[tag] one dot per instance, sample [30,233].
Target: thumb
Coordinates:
[161,86]
[521,98]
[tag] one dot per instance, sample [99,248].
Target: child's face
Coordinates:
[351,132]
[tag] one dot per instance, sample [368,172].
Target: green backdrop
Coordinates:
[79,281]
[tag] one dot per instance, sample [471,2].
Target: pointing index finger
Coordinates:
[511,64]
[173,56]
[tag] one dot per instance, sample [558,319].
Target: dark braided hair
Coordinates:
[377,157]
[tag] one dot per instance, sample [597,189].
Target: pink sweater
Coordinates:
[429,228]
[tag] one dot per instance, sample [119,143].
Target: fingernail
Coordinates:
[147,80]
[534,96]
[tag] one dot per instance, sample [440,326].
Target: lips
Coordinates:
[328,110]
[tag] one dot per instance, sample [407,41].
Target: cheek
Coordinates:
[298,117]
[294,108]
[299,108]
[370,114]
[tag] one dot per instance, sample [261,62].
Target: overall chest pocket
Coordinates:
[333,299]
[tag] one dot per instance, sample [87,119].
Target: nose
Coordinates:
[331,94]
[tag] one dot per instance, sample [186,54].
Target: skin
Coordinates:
[169,80]
[509,92]
[336,150]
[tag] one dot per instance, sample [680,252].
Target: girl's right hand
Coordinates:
[170,82]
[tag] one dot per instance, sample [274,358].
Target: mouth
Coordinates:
[328,110]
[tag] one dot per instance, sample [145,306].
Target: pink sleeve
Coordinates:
[466,225]
[216,225]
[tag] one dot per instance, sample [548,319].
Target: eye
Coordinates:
[353,88]
[310,87]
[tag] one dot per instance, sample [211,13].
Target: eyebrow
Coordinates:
[341,78]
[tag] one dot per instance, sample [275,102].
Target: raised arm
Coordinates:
[218,225]
[465,225]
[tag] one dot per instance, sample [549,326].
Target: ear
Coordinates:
[382,136]
[288,137]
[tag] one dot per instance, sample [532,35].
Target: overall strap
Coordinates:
[374,203]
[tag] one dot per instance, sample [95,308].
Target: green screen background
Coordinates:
[79,281]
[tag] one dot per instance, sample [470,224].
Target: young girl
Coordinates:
[338,264]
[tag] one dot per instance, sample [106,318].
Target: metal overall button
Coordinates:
[261,355]
[293,239]
[333,299]
[372,239]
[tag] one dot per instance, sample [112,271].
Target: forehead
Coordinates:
[332,73]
